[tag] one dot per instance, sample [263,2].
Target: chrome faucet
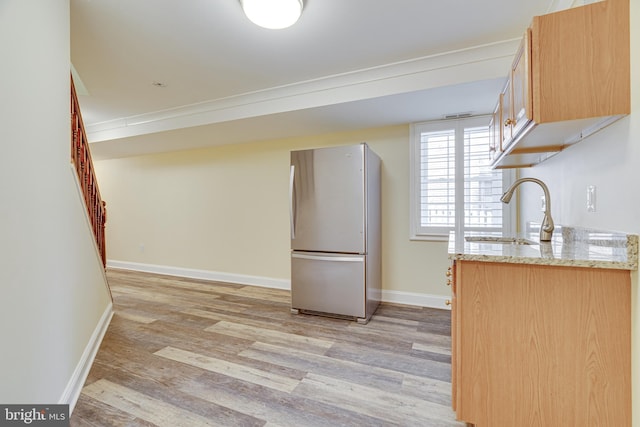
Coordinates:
[546,229]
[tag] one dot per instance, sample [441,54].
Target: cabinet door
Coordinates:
[495,131]
[580,62]
[521,88]
[515,99]
[451,280]
[506,115]
[542,345]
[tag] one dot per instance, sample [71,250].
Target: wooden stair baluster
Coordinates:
[81,159]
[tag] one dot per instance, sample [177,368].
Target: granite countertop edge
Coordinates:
[570,247]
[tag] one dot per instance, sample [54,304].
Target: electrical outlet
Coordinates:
[591,198]
[543,204]
[141,247]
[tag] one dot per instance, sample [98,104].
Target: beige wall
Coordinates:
[610,160]
[225,209]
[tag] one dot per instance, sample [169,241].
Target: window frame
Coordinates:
[432,233]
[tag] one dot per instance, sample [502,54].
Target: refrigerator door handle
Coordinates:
[329,258]
[291,207]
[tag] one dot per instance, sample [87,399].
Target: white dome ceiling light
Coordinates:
[272,14]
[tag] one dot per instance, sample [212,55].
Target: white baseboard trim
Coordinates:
[398,297]
[76,382]
[216,276]
[414,298]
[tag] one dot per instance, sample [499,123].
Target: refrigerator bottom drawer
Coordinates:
[333,284]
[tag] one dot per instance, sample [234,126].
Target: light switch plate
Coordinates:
[591,198]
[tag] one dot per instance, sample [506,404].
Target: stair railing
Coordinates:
[81,158]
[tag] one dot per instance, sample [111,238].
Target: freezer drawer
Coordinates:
[328,283]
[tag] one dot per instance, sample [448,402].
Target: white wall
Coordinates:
[610,160]
[225,210]
[52,287]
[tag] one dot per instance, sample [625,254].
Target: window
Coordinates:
[453,187]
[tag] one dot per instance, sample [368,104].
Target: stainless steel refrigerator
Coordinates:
[334,196]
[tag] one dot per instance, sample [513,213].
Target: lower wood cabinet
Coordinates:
[536,345]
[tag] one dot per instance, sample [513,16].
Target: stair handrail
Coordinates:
[81,159]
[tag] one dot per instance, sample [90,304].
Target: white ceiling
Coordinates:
[346,65]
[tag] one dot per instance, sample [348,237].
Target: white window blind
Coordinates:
[482,186]
[437,178]
[453,186]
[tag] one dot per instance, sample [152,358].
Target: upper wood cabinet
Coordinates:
[570,78]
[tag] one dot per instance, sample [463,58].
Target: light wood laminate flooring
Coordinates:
[184,352]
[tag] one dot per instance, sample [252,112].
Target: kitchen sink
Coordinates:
[497,239]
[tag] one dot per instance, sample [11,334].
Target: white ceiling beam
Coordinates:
[446,69]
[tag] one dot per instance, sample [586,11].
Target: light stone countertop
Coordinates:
[570,246]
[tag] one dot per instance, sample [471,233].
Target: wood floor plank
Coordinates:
[147,408]
[163,282]
[255,292]
[356,334]
[278,295]
[432,348]
[179,289]
[231,369]
[319,364]
[430,338]
[164,298]
[216,315]
[140,318]
[381,320]
[407,329]
[139,362]
[270,336]
[393,361]
[90,413]
[377,403]
[144,308]
[167,387]
[430,389]
[225,306]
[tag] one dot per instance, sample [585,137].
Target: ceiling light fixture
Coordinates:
[272,14]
